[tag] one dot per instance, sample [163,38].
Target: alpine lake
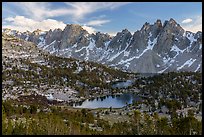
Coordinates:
[113,101]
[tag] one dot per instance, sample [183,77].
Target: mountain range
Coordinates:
[155,48]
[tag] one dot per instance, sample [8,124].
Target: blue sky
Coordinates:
[107,17]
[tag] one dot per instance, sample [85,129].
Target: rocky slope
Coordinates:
[155,48]
[28,71]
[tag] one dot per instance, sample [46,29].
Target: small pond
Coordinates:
[114,101]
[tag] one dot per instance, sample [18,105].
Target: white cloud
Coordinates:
[112,33]
[22,24]
[81,9]
[42,10]
[76,10]
[89,29]
[9,19]
[97,22]
[187,21]
[38,15]
[195,25]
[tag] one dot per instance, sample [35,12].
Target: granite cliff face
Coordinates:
[155,48]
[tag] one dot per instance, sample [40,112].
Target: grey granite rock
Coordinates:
[155,48]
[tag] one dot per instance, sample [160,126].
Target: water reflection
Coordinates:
[114,101]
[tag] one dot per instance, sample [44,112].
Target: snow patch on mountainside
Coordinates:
[27,38]
[125,61]
[80,49]
[177,50]
[49,45]
[161,71]
[74,46]
[151,43]
[107,43]
[126,53]
[197,68]
[200,46]
[91,44]
[188,62]
[89,47]
[142,52]
[117,54]
[42,42]
[190,37]
[166,60]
